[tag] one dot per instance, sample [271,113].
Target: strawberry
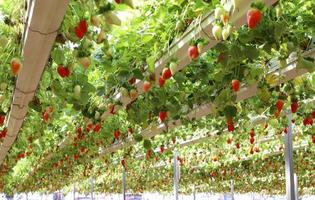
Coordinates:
[166,74]
[146,86]
[279,105]
[81,29]
[235,85]
[251,150]
[225,19]
[217,31]
[313,114]
[294,107]
[308,121]
[89,126]
[230,127]
[77,91]
[79,130]
[237,145]
[45,116]
[285,130]
[163,116]
[218,12]
[174,140]
[85,62]
[118,1]
[2,118]
[117,134]
[82,149]
[133,94]
[132,81]
[313,139]
[252,133]
[193,52]
[215,159]
[162,149]
[123,163]
[97,128]
[226,32]
[63,71]
[130,130]
[15,66]
[254,17]
[229,141]
[161,81]
[252,140]
[148,154]
[256,149]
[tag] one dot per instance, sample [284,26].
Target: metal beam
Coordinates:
[289,168]
[124,184]
[176,177]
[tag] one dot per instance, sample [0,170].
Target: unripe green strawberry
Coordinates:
[77,91]
[217,32]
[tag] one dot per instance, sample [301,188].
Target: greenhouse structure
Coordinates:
[157,99]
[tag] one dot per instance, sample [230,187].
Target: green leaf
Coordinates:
[147,144]
[150,62]
[58,56]
[137,74]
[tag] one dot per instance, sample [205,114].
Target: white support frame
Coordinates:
[43,21]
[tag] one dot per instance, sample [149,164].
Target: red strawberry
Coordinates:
[254,16]
[162,149]
[79,130]
[163,116]
[132,81]
[166,73]
[215,159]
[193,52]
[15,66]
[63,71]
[279,105]
[308,121]
[256,149]
[45,116]
[117,134]
[235,85]
[118,1]
[252,140]
[81,29]
[294,107]
[230,127]
[82,149]
[313,139]
[146,86]
[148,154]
[237,145]
[252,133]
[123,163]
[313,114]
[285,130]
[2,118]
[75,145]
[130,130]
[229,141]
[161,81]
[97,128]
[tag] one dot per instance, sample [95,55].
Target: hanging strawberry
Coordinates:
[229,141]
[117,134]
[294,106]
[97,128]
[252,133]
[163,116]
[123,163]
[235,85]
[148,154]
[162,148]
[166,74]
[254,17]
[193,52]
[81,29]
[146,86]
[2,118]
[313,139]
[217,31]
[15,66]
[252,140]
[279,105]
[63,71]
[161,82]
[45,116]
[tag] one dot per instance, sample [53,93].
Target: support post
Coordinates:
[194,193]
[92,188]
[73,192]
[290,189]
[296,187]
[232,189]
[124,184]
[175,176]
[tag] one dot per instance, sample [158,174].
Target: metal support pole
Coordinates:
[296,187]
[194,193]
[175,176]
[290,189]
[124,184]
[232,189]
[92,188]
[73,192]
